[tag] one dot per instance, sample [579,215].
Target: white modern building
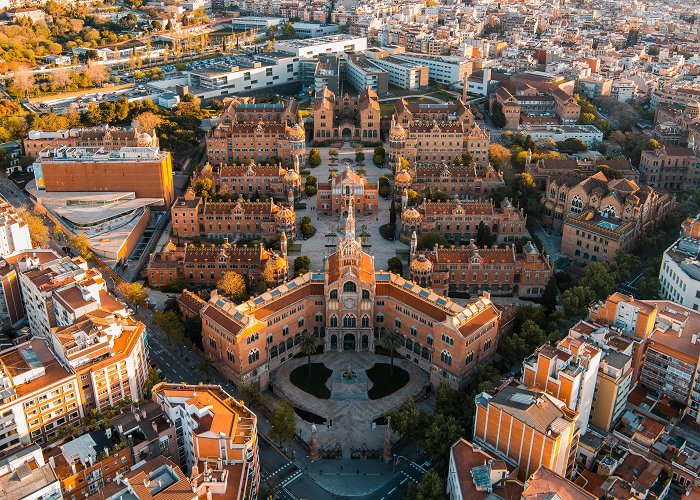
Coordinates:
[313,30]
[447,70]
[248,74]
[14,232]
[680,267]
[258,23]
[363,74]
[407,75]
[329,44]
[587,133]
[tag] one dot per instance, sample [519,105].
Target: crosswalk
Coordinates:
[280,478]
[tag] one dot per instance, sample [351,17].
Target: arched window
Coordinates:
[409,344]
[446,358]
[282,347]
[610,211]
[365,322]
[269,338]
[414,331]
[290,343]
[334,294]
[349,286]
[273,351]
[365,294]
[297,338]
[349,321]
[253,356]
[334,321]
[576,205]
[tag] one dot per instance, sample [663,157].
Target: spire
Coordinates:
[296,163]
[283,244]
[350,221]
[414,244]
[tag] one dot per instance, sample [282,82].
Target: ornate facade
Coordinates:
[193,216]
[259,132]
[451,180]
[334,197]
[672,123]
[459,221]
[254,179]
[349,306]
[204,266]
[499,271]
[568,196]
[437,133]
[346,118]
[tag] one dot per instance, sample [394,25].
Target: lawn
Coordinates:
[386,383]
[315,384]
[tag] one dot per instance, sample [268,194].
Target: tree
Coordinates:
[23,81]
[439,438]
[384,191]
[409,420]
[499,156]
[97,73]
[81,243]
[598,277]
[429,240]
[282,422]
[152,378]
[135,293]
[171,324]
[484,237]
[395,266]
[497,116]
[148,121]
[430,487]
[623,264]
[577,299]
[392,340]
[572,144]
[314,157]
[233,285]
[60,78]
[38,231]
[204,188]
[549,297]
[378,160]
[307,345]
[414,198]
[647,287]
[301,265]
[93,114]
[307,229]
[359,157]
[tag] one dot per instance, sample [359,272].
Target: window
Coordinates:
[349,286]
[334,294]
[349,321]
[380,318]
[229,355]
[334,321]
[576,205]
[397,322]
[446,358]
[365,294]
[365,322]
[414,331]
[253,356]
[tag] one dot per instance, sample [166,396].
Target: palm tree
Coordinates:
[392,339]
[307,345]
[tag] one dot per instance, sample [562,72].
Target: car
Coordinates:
[152,363]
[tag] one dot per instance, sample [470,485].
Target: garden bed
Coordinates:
[385,382]
[314,381]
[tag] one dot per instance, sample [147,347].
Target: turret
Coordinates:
[296,163]
[283,245]
[414,244]
[290,198]
[404,199]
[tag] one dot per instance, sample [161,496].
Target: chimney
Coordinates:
[154,425]
[143,413]
[208,493]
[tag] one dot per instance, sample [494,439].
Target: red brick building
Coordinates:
[334,197]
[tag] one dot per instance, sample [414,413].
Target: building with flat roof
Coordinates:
[14,232]
[363,74]
[545,483]
[679,275]
[446,70]
[145,171]
[26,475]
[328,44]
[219,437]
[670,168]
[511,412]
[589,134]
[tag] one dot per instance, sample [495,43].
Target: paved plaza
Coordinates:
[349,413]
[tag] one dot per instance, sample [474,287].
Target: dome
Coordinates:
[291,176]
[285,215]
[143,140]
[397,132]
[410,215]
[693,104]
[403,177]
[421,265]
[277,263]
[296,133]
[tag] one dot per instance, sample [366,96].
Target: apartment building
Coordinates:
[679,275]
[446,70]
[346,118]
[345,189]
[216,435]
[527,429]
[103,136]
[670,168]
[204,266]
[107,351]
[161,479]
[499,271]
[475,474]
[40,395]
[349,305]
[193,216]
[402,73]
[14,232]
[145,171]
[545,483]
[147,429]
[614,379]
[86,464]
[423,133]
[459,221]
[259,132]
[25,474]
[567,371]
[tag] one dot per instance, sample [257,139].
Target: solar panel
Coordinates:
[441,301]
[30,357]
[424,293]
[258,300]
[383,277]
[408,285]
[238,315]
[481,477]
[275,292]
[220,303]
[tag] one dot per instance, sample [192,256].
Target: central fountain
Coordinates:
[349,375]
